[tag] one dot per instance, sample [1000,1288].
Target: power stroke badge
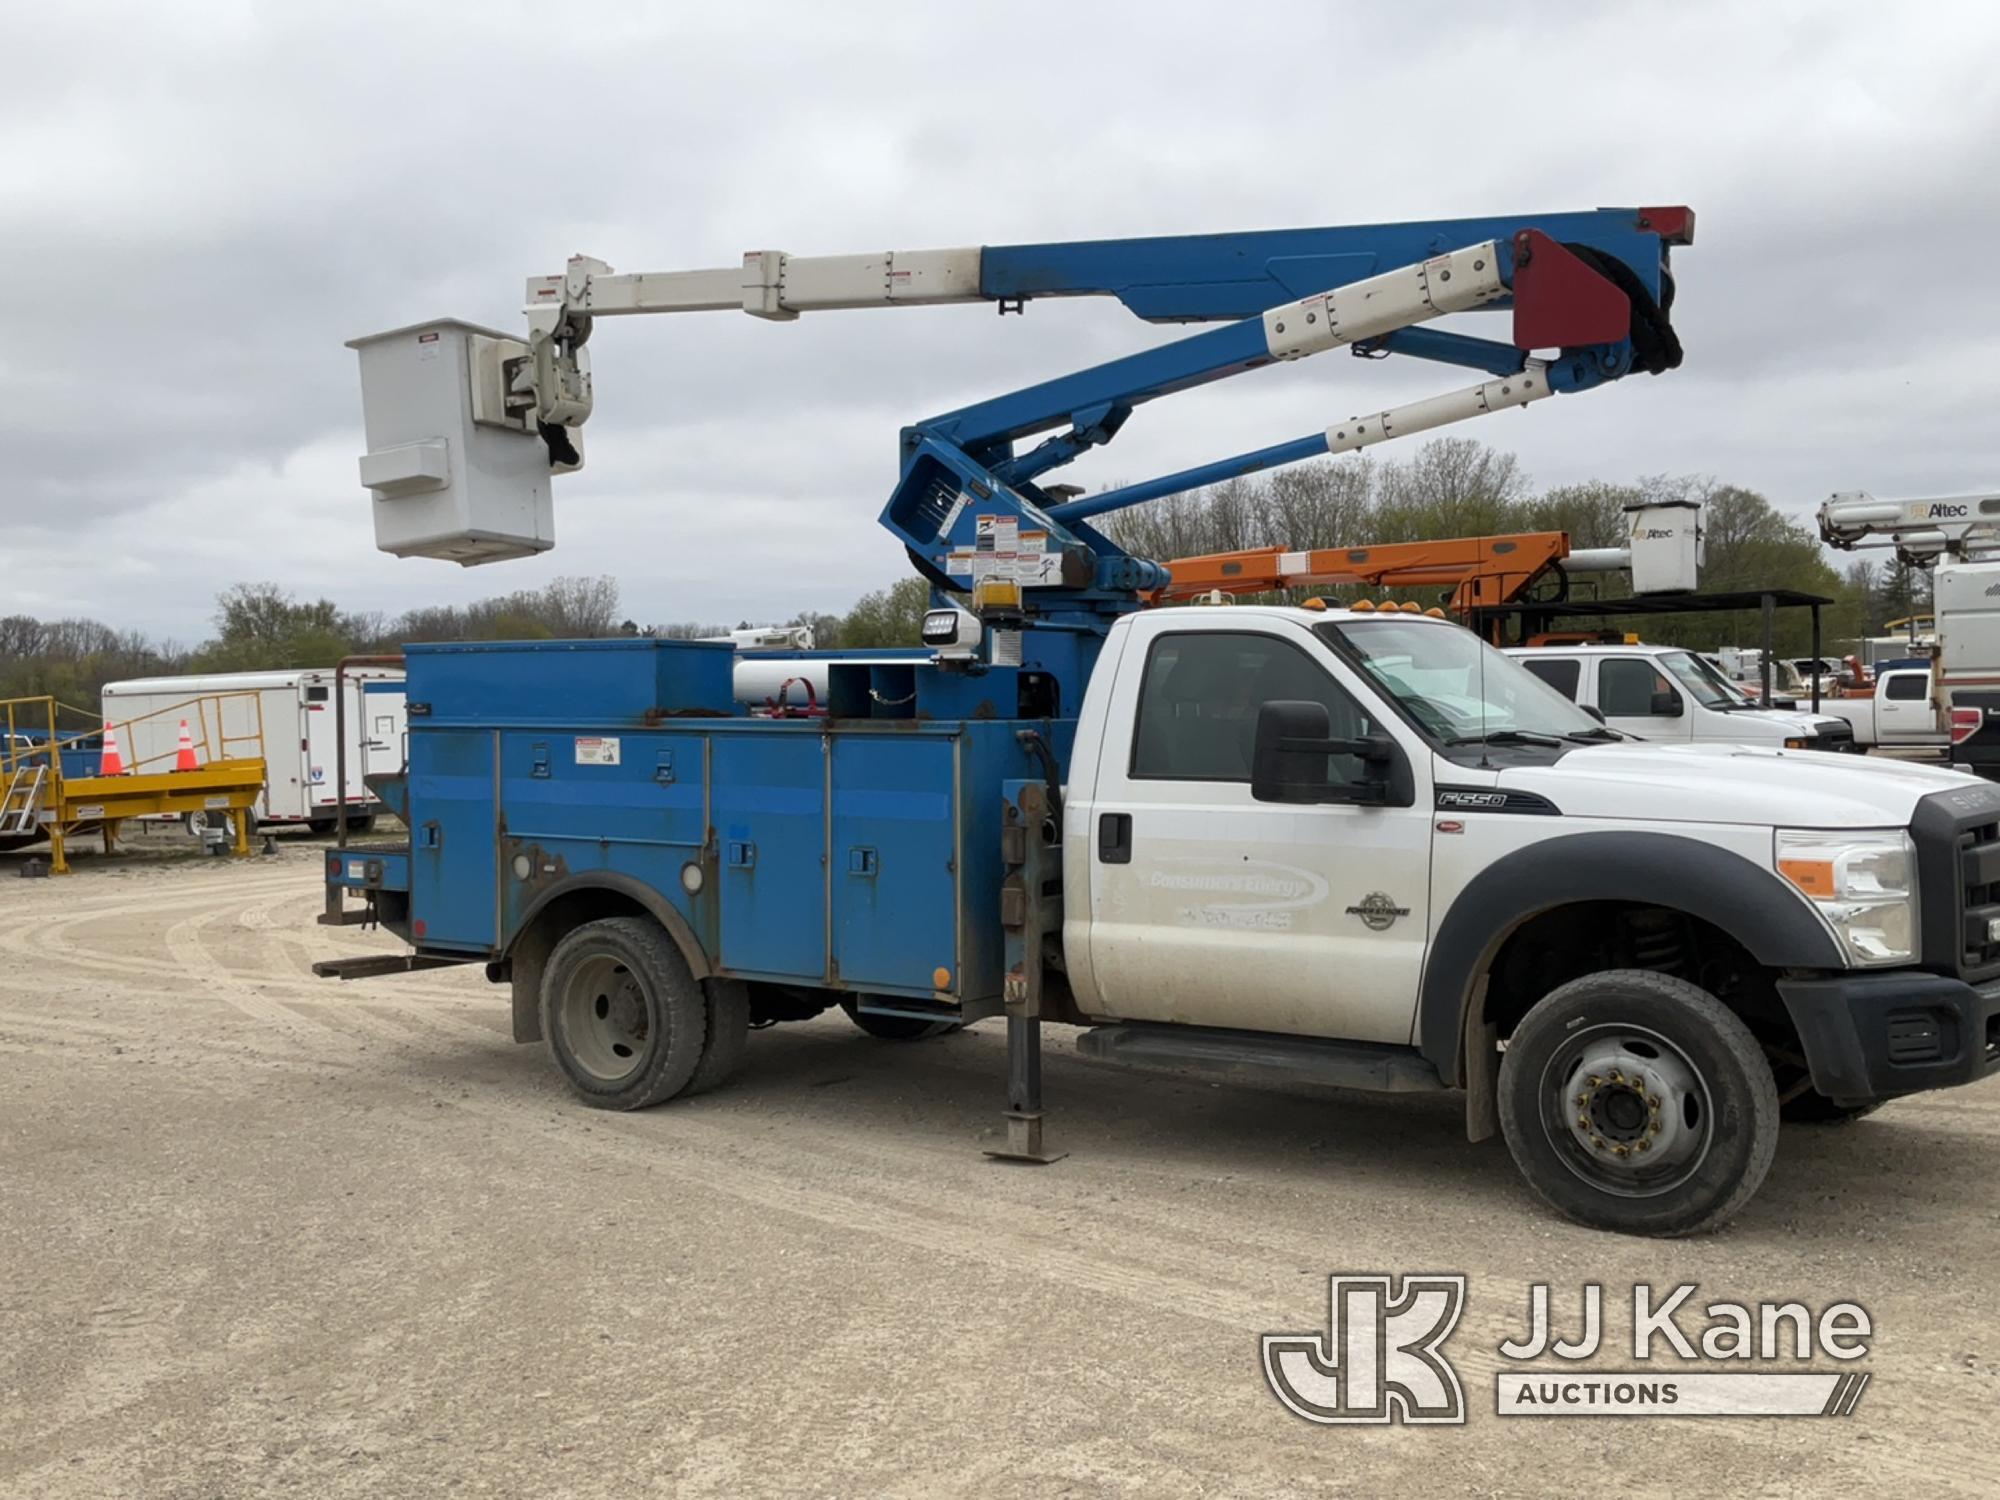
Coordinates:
[1378,910]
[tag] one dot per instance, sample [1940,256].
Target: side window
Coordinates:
[1625,687]
[1907,687]
[316,695]
[1199,699]
[1563,676]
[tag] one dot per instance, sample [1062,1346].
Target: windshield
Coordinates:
[1456,686]
[1703,683]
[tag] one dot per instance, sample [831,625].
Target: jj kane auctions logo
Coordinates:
[1382,1357]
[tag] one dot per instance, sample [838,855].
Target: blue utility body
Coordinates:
[858,851]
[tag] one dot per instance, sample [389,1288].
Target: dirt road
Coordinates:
[262,1233]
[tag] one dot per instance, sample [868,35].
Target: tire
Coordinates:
[728,1035]
[359,825]
[195,824]
[320,826]
[1814,1108]
[626,1022]
[1677,1143]
[896,1028]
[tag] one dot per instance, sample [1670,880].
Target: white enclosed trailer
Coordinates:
[294,710]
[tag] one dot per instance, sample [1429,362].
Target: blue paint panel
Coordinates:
[894,843]
[770,823]
[452,850]
[617,681]
[1212,276]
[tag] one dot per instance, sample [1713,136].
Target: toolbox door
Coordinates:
[894,862]
[770,828]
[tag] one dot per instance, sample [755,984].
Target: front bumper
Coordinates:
[1874,1036]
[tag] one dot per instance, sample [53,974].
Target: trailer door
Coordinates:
[321,741]
[383,727]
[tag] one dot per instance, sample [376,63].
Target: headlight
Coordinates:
[1864,883]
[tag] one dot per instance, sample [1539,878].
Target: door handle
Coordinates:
[1114,838]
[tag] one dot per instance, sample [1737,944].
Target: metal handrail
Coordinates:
[13,753]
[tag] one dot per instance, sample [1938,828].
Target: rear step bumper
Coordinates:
[1259,1057]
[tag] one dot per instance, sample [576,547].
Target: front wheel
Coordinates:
[1636,1102]
[626,1022]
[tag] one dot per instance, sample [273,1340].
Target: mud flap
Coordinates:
[1481,1070]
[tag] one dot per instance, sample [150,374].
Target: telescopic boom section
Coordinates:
[1920,530]
[1480,571]
[465,425]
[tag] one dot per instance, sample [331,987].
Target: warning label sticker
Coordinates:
[597,750]
[1001,549]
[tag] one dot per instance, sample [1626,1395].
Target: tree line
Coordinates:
[1450,487]
[264,627]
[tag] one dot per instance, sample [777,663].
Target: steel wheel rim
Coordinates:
[604,1019]
[1626,1110]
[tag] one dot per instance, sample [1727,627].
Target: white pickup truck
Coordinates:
[1666,693]
[1379,833]
[1899,713]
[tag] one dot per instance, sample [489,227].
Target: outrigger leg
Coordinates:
[1024,1095]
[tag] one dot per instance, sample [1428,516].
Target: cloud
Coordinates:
[202,202]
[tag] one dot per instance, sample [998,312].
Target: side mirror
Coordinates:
[1595,713]
[1288,763]
[1666,705]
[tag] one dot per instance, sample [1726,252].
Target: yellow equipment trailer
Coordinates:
[39,797]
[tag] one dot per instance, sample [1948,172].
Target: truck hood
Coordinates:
[1640,782]
[1784,723]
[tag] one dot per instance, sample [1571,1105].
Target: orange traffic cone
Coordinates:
[184,755]
[108,761]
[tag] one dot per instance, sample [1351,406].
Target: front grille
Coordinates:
[1957,834]
[1979,895]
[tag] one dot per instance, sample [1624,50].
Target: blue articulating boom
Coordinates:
[859,855]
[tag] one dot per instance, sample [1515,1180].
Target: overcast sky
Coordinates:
[200,203]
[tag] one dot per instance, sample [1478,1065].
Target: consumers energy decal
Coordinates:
[1256,893]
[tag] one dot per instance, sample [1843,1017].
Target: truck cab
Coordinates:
[1671,694]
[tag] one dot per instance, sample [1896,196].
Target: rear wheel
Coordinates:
[1636,1102]
[896,1028]
[625,1020]
[728,1035]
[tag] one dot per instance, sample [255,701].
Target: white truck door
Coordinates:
[1634,696]
[1903,714]
[1210,908]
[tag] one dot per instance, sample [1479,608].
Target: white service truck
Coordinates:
[1671,694]
[1376,833]
[1900,712]
[293,711]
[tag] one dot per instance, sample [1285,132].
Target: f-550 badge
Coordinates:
[1378,910]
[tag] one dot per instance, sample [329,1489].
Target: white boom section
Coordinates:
[1920,529]
[1457,282]
[769,284]
[1439,411]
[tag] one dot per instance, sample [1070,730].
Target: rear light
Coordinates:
[1965,723]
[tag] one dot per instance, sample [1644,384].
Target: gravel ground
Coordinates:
[261,1233]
